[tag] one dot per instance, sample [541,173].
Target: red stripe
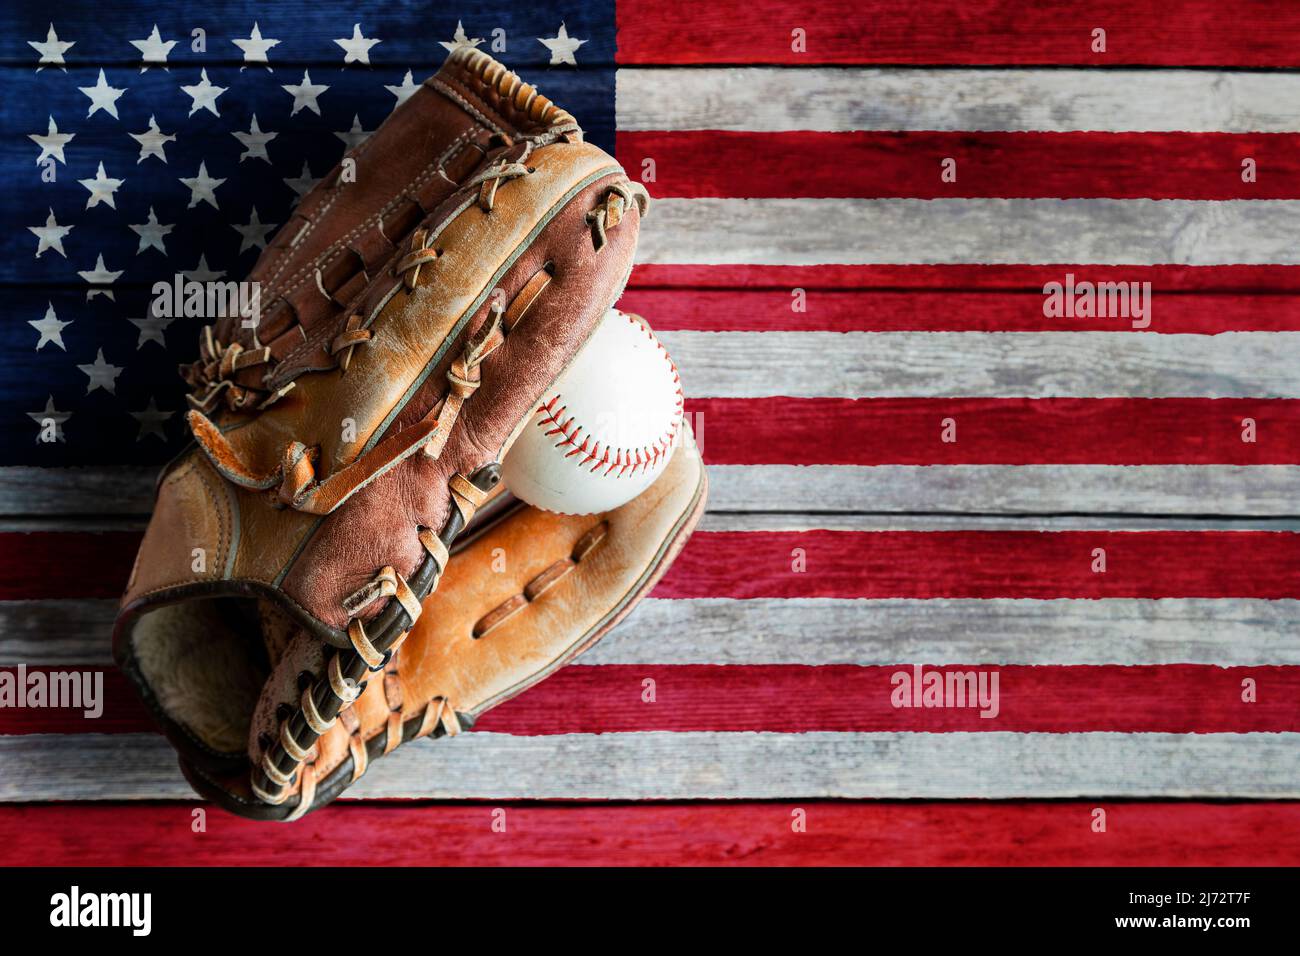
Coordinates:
[55,564]
[986,564]
[1173,698]
[723,833]
[1031,165]
[1250,33]
[993,431]
[913,564]
[1009,278]
[843,310]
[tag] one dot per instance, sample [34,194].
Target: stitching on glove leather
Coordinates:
[541,583]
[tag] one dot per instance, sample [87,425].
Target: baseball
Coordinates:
[605,429]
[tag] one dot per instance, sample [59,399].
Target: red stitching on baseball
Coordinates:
[628,461]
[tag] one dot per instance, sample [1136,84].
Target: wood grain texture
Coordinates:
[802,521]
[956,231]
[735,833]
[880,164]
[980,564]
[1009,489]
[1251,280]
[851,310]
[798,699]
[984,489]
[409,31]
[102,490]
[763,99]
[996,431]
[786,520]
[970,365]
[819,631]
[692,766]
[1178,33]
[833,563]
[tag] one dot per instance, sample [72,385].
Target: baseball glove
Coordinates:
[417,306]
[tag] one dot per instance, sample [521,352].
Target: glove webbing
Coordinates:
[323,700]
[348,669]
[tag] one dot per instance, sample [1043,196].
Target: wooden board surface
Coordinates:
[878,390]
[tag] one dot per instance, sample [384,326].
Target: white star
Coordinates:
[254,142]
[152,141]
[51,414]
[403,92]
[51,329]
[102,97]
[151,419]
[50,236]
[302,185]
[459,40]
[151,329]
[304,94]
[51,50]
[52,142]
[204,95]
[101,188]
[100,276]
[254,234]
[102,374]
[201,187]
[357,48]
[255,48]
[154,50]
[201,272]
[562,47]
[151,234]
[355,136]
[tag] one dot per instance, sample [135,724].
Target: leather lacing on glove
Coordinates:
[297,486]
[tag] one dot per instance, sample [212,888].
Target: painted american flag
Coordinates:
[858,208]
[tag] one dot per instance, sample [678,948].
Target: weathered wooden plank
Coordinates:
[718,520]
[876,164]
[410,32]
[830,309]
[685,766]
[952,280]
[844,564]
[59,632]
[855,98]
[782,430]
[587,699]
[974,365]
[800,521]
[820,631]
[1170,33]
[731,833]
[103,490]
[953,231]
[829,631]
[1225,490]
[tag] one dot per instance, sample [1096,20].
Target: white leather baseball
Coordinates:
[605,429]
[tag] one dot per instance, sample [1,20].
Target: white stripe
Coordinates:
[971,231]
[817,631]
[839,99]
[986,364]
[1266,490]
[686,766]
[803,521]
[1005,489]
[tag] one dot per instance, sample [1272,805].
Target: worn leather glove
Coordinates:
[414,311]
